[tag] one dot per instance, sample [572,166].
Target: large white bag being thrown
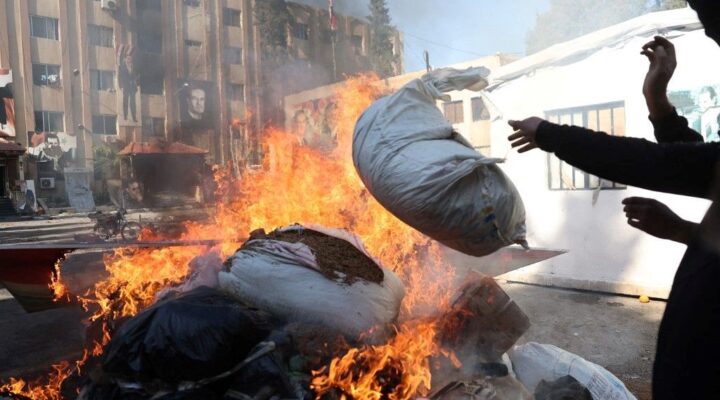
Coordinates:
[416,166]
[534,362]
[284,279]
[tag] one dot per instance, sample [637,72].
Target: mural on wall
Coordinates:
[312,122]
[57,148]
[128,86]
[701,107]
[197,106]
[7,104]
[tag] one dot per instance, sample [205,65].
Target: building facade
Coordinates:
[91,72]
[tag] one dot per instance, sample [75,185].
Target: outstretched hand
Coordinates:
[663,61]
[661,54]
[524,135]
[657,219]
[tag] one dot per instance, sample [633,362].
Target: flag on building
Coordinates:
[333,18]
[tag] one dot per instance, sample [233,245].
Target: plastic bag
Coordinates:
[534,362]
[285,280]
[195,335]
[565,388]
[416,166]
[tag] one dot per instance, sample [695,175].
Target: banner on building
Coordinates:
[29,204]
[77,187]
[57,150]
[128,86]
[701,107]
[197,105]
[7,104]
[313,123]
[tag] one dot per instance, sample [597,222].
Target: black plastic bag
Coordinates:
[192,336]
[565,388]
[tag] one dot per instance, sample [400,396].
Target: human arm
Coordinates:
[656,219]
[669,126]
[680,168]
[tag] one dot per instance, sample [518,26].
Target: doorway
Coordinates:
[3,180]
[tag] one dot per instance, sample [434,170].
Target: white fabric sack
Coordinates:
[409,158]
[204,270]
[282,279]
[534,362]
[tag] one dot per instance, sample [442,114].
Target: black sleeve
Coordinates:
[679,168]
[674,129]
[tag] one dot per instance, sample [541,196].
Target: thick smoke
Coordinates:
[354,8]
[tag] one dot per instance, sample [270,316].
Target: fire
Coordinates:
[397,370]
[36,390]
[309,186]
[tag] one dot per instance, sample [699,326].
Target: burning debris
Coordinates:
[301,312]
[314,276]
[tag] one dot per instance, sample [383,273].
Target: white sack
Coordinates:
[282,279]
[534,362]
[204,270]
[409,158]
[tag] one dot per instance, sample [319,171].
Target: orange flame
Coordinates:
[304,185]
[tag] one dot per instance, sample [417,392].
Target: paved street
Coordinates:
[616,332]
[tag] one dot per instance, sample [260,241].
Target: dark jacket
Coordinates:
[687,362]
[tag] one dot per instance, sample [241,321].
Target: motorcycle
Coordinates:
[110,225]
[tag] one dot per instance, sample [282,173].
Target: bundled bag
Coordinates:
[534,362]
[319,275]
[195,335]
[416,166]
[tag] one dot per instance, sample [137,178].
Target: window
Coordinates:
[100,36]
[608,118]
[236,92]
[151,86]
[357,42]
[301,31]
[102,80]
[150,42]
[45,74]
[233,55]
[453,111]
[48,121]
[153,126]
[192,43]
[150,5]
[231,17]
[479,111]
[44,27]
[104,124]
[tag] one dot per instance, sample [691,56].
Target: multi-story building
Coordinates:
[91,71]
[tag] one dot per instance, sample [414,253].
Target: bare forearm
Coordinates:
[659,106]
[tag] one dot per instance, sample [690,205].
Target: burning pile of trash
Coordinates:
[366,311]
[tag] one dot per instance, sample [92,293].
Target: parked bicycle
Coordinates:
[110,225]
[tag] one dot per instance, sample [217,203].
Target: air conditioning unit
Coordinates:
[47,183]
[53,80]
[108,5]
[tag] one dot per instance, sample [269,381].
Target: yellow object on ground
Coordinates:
[644,299]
